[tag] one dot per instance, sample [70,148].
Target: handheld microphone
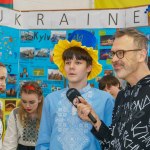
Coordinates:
[73,93]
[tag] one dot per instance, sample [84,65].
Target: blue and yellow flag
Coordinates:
[102,4]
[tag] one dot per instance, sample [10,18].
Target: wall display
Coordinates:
[28,56]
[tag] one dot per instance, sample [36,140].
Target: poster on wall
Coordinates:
[28,56]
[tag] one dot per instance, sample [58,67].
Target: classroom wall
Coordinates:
[52,4]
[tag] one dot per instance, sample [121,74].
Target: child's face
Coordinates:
[30,102]
[76,70]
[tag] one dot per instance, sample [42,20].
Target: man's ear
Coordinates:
[143,55]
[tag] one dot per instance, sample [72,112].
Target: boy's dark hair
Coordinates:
[78,53]
[108,80]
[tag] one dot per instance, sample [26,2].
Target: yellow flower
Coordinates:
[65,44]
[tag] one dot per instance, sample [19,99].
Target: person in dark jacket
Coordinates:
[130,129]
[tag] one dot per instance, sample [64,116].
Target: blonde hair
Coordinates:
[31,88]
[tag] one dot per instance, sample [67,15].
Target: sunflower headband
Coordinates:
[63,45]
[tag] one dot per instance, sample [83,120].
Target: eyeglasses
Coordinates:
[120,53]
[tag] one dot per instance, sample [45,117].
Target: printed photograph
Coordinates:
[11,78]
[27,36]
[54,74]
[24,72]
[106,40]
[38,72]
[104,54]
[27,52]
[57,35]
[10,105]
[42,53]
[11,90]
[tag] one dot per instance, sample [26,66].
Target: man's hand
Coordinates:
[84,109]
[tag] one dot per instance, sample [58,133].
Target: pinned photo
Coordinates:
[42,53]
[27,36]
[10,105]
[104,54]
[12,78]
[24,73]
[11,90]
[38,72]
[57,35]
[54,74]
[106,40]
[27,52]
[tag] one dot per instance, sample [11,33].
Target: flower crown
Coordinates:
[64,45]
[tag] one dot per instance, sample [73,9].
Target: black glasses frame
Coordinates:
[112,53]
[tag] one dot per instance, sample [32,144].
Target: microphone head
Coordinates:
[72,93]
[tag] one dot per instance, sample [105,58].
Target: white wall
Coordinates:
[52,4]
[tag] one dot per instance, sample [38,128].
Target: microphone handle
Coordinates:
[92,118]
[89,115]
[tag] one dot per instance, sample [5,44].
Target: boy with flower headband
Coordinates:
[60,127]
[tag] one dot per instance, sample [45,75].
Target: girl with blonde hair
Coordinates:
[23,123]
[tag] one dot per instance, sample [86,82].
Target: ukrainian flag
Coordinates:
[103,4]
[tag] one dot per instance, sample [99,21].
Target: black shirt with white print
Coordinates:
[130,129]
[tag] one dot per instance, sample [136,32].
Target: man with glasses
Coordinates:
[130,129]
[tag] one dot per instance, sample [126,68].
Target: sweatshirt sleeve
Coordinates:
[105,133]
